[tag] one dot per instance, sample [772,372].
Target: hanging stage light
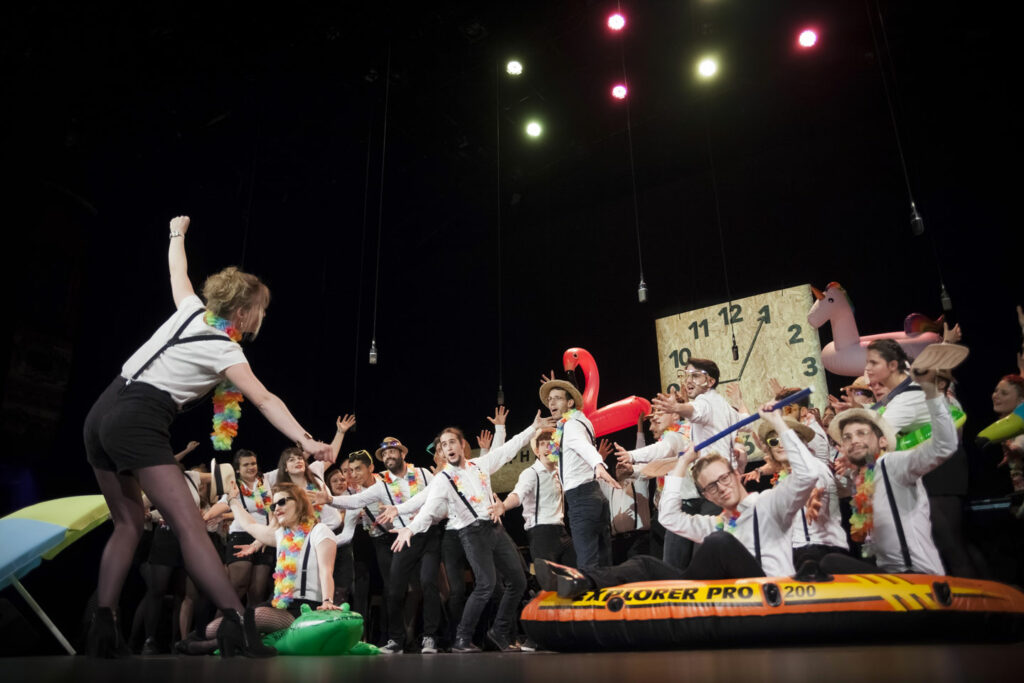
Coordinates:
[808,38]
[707,67]
[533,129]
[514,68]
[616,22]
[619,92]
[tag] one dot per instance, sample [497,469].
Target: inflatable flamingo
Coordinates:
[619,415]
[847,354]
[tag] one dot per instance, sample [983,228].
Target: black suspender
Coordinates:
[636,510]
[536,501]
[561,458]
[907,566]
[305,564]
[757,538]
[175,340]
[807,533]
[451,481]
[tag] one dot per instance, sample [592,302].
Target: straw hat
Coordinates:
[803,431]
[390,442]
[572,392]
[835,428]
[860,384]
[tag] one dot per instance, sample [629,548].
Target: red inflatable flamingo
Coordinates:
[619,415]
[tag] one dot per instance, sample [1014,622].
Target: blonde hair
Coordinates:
[702,464]
[231,290]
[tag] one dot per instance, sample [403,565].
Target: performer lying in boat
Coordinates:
[752,536]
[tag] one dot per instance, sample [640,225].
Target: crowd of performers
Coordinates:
[424,551]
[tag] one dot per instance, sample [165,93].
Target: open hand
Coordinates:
[666,403]
[404,538]
[814,505]
[500,415]
[387,515]
[346,423]
[544,379]
[247,549]
[604,447]
[602,473]
[623,455]
[485,439]
[319,497]
[496,509]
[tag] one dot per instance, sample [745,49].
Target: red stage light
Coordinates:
[619,92]
[808,38]
[616,22]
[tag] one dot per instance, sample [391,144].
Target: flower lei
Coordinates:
[729,525]
[259,494]
[779,476]
[227,398]
[862,519]
[457,480]
[556,439]
[396,491]
[287,567]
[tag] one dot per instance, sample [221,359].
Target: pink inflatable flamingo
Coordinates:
[848,354]
[619,415]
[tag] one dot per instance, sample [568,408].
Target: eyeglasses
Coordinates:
[715,486]
[280,502]
[773,441]
[693,374]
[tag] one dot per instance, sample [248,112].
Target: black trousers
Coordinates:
[423,555]
[551,542]
[344,573]
[590,522]
[816,552]
[720,556]
[676,550]
[455,566]
[490,552]
[382,549]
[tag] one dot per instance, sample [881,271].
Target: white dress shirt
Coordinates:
[579,457]
[907,411]
[711,414]
[827,529]
[776,509]
[905,470]
[629,506]
[443,500]
[670,444]
[540,495]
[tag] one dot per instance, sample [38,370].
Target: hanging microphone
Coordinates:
[735,349]
[916,222]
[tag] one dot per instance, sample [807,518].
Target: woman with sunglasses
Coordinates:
[126,435]
[303,571]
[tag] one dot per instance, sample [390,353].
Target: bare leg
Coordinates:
[124,498]
[166,487]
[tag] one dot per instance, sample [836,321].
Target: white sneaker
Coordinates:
[392,648]
[429,647]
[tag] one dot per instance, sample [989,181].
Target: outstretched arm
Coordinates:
[344,424]
[276,411]
[177,263]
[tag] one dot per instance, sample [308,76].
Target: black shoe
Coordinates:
[193,644]
[529,645]
[462,645]
[150,647]
[499,642]
[104,640]
[569,582]
[234,638]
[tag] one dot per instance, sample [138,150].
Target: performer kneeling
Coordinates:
[751,537]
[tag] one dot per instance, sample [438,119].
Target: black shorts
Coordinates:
[266,556]
[129,427]
[165,550]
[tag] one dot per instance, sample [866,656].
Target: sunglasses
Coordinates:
[773,441]
[280,502]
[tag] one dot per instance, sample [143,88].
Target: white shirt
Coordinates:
[827,529]
[383,493]
[711,414]
[579,457]
[260,515]
[905,470]
[776,509]
[317,534]
[540,494]
[185,371]
[818,446]
[907,411]
[475,482]
[669,445]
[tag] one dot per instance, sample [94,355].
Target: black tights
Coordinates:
[251,581]
[170,494]
[158,584]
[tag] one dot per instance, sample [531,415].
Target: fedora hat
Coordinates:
[570,390]
[835,428]
[803,431]
[390,442]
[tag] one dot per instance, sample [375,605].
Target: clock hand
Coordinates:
[751,348]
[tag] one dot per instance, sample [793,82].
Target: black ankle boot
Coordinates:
[104,639]
[234,638]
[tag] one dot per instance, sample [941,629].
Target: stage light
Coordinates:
[616,22]
[808,38]
[514,68]
[533,129]
[707,67]
[619,92]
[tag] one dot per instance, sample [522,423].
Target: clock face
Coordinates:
[773,338]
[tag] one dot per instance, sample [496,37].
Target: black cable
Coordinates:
[380,203]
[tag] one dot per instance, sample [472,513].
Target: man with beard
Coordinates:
[462,492]
[891,515]
[398,483]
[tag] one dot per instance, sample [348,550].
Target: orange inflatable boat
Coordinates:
[873,607]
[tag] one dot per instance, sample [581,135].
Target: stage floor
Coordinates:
[939,662]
